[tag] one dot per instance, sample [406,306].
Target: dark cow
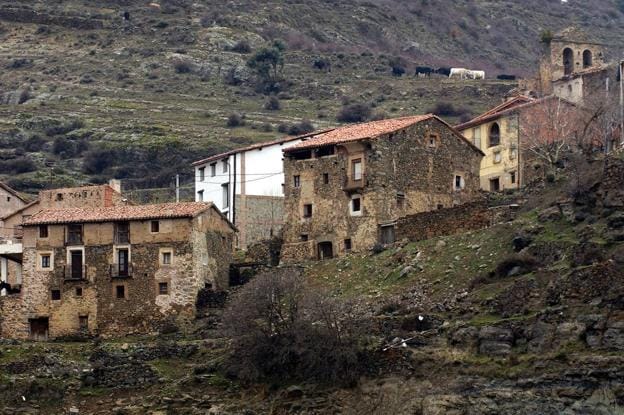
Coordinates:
[504,77]
[443,71]
[424,70]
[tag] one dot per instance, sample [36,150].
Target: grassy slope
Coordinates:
[120,80]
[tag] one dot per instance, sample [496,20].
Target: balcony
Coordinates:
[75,273]
[351,184]
[121,271]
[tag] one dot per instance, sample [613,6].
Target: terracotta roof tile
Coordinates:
[118,213]
[356,132]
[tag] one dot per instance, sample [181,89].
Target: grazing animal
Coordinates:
[424,70]
[470,74]
[443,71]
[504,77]
[460,73]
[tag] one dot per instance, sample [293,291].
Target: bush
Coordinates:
[321,64]
[303,127]
[63,127]
[516,264]
[182,66]
[242,46]
[235,120]
[98,160]
[354,113]
[285,330]
[17,166]
[232,77]
[282,128]
[447,109]
[34,144]
[63,147]
[272,104]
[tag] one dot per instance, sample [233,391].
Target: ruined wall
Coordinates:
[9,203]
[447,221]
[80,197]
[258,218]
[402,175]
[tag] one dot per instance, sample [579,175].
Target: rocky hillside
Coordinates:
[137,91]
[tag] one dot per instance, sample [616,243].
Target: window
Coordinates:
[55,295]
[495,185]
[512,177]
[459,182]
[225,190]
[400,197]
[213,169]
[304,237]
[307,211]
[476,137]
[163,288]
[120,291]
[494,135]
[432,140]
[78,291]
[75,269]
[74,234]
[123,266]
[347,245]
[166,258]
[83,323]
[356,205]
[8,198]
[59,197]
[356,169]
[513,153]
[325,178]
[155,226]
[202,174]
[568,61]
[587,58]
[296,181]
[200,196]
[122,233]
[497,157]
[225,164]
[46,262]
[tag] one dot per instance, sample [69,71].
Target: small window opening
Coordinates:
[166,258]
[325,151]
[512,177]
[155,226]
[325,178]
[356,205]
[347,244]
[213,169]
[78,291]
[307,211]
[459,182]
[163,288]
[120,291]
[56,295]
[83,322]
[296,181]
[494,135]
[304,237]
[45,261]
[202,174]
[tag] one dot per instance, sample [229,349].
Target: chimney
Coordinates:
[115,184]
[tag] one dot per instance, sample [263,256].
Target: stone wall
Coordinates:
[80,197]
[403,175]
[27,15]
[9,203]
[258,218]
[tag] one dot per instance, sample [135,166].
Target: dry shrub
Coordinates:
[283,329]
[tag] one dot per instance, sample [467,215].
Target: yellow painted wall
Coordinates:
[491,168]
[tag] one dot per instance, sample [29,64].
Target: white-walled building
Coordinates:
[246,184]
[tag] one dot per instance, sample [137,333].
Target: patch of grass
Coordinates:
[170,368]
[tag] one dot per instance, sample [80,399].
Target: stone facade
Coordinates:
[259,218]
[405,171]
[571,50]
[165,271]
[10,200]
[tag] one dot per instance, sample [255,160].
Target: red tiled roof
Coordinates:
[356,132]
[256,146]
[118,213]
[12,192]
[514,102]
[489,116]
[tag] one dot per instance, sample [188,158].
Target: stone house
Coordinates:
[346,188]
[505,132]
[246,184]
[11,231]
[116,270]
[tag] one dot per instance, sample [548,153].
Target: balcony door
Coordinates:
[76,265]
[122,261]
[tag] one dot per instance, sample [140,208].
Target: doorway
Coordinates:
[495,185]
[76,265]
[39,328]
[387,235]
[325,250]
